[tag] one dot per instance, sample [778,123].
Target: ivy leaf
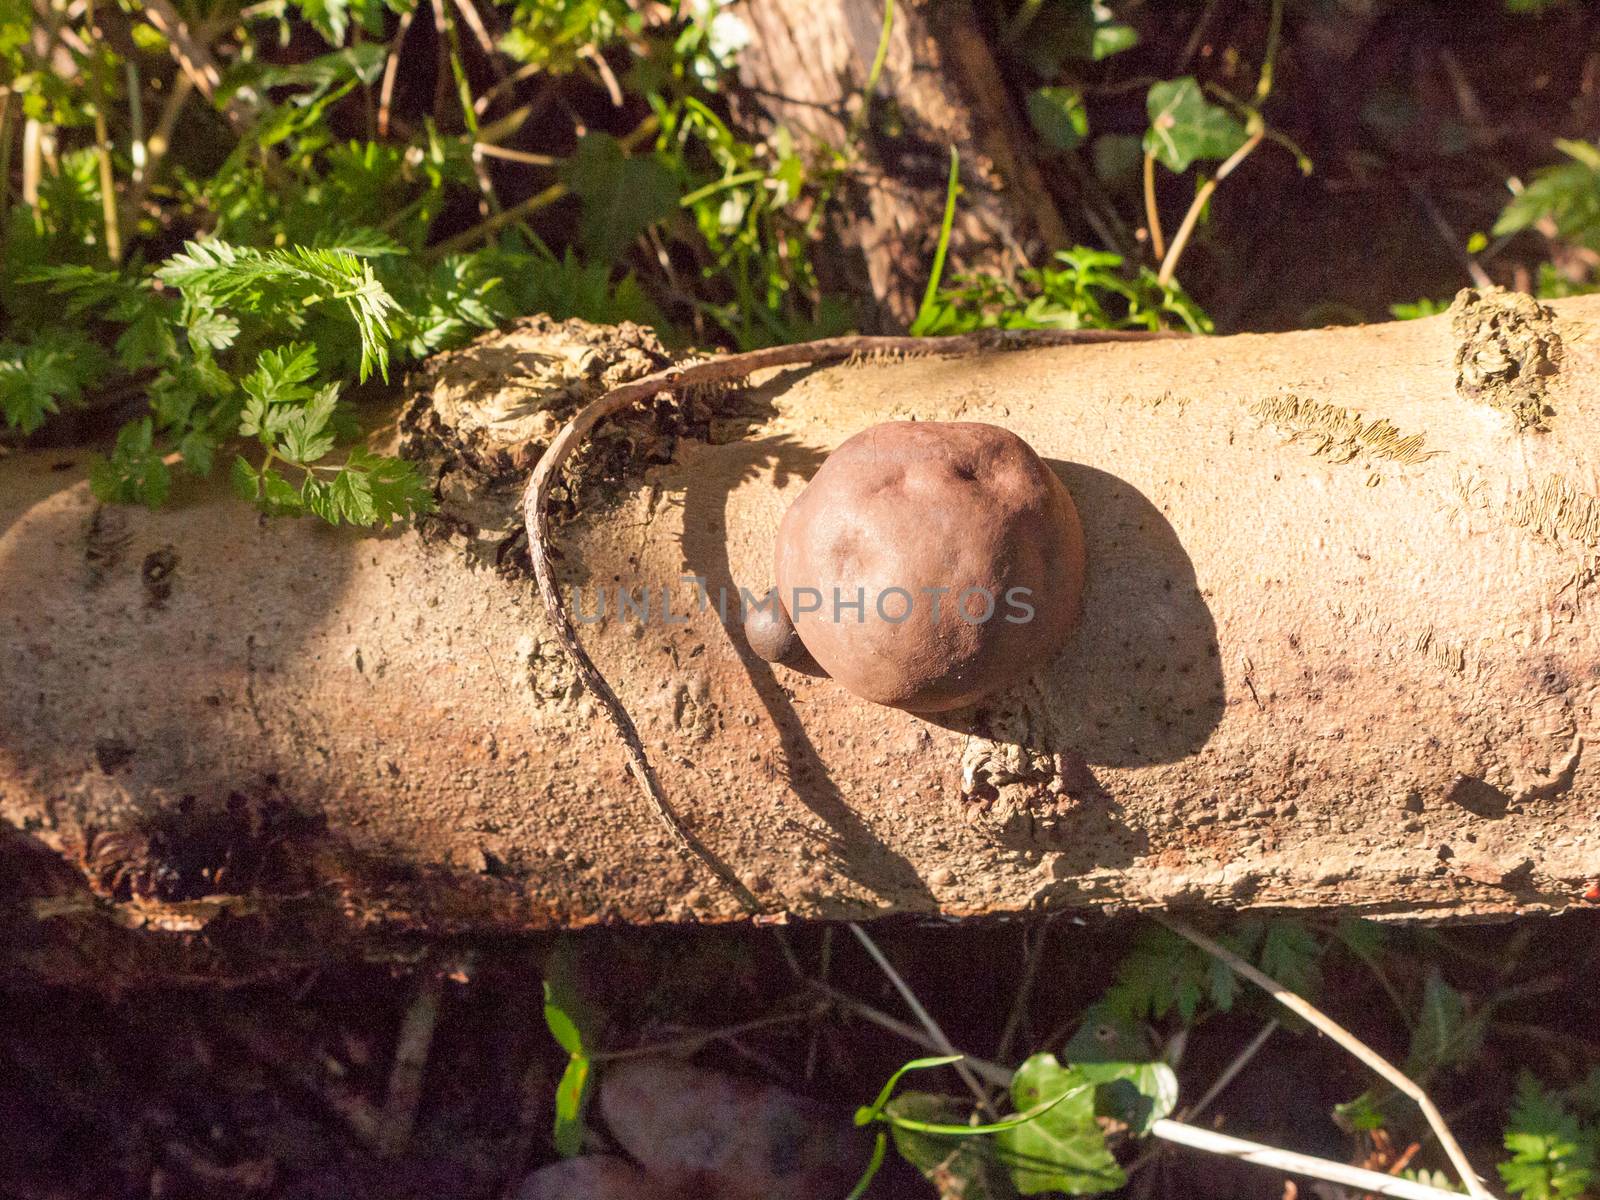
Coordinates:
[1110,37]
[1063,1150]
[1107,1034]
[1058,116]
[621,196]
[1136,1093]
[961,1168]
[1185,126]
[1057,32]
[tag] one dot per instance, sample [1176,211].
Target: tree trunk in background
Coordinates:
[805,70]
[1337,653]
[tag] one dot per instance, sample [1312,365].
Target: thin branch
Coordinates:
[136,146]
[1152,213]
[102,147]
[536,496]
[5,153]
[469,14]
[926,1018]
[290,1060]
[1218,1086]
[516,156]
[160,140]
[404,1097]
[1480,277]
[690,1042]
[990,1072]
[607,76]
[1030,972]
[193,56]
[1177,1132]
[527,71]
[1169,264]
[1316,1017]
[32,161]
[489,226]
[1270,57]
[1358,1178]
[501,128]
[1241,1060]
[391,70]
[1196,37]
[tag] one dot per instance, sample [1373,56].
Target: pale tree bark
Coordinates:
[806,71]
[1336,653]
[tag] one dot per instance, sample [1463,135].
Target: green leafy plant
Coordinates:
[747,203]
[1563,205]
[1424,307]
[1164,975]
[1447,1032]
[1567,195]
[569,1021]
[1552,1154]
[1049,35]
[1090,289]
[1081,289]
[556,34]
[1186,127]
[307,250]
[1053,1143]
[1065,1150]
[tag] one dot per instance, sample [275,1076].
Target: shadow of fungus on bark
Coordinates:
[945,510]
[925,566]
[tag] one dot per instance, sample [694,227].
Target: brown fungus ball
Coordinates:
[928,564]
[770,632]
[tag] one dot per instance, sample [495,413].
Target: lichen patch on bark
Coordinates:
[481,416]
[1558,511]
[498,401]
[1507,348]
[1340,435]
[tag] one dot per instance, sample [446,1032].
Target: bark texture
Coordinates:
[1337,652]
[806,70]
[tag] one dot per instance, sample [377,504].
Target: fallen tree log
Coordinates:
[1336,653]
